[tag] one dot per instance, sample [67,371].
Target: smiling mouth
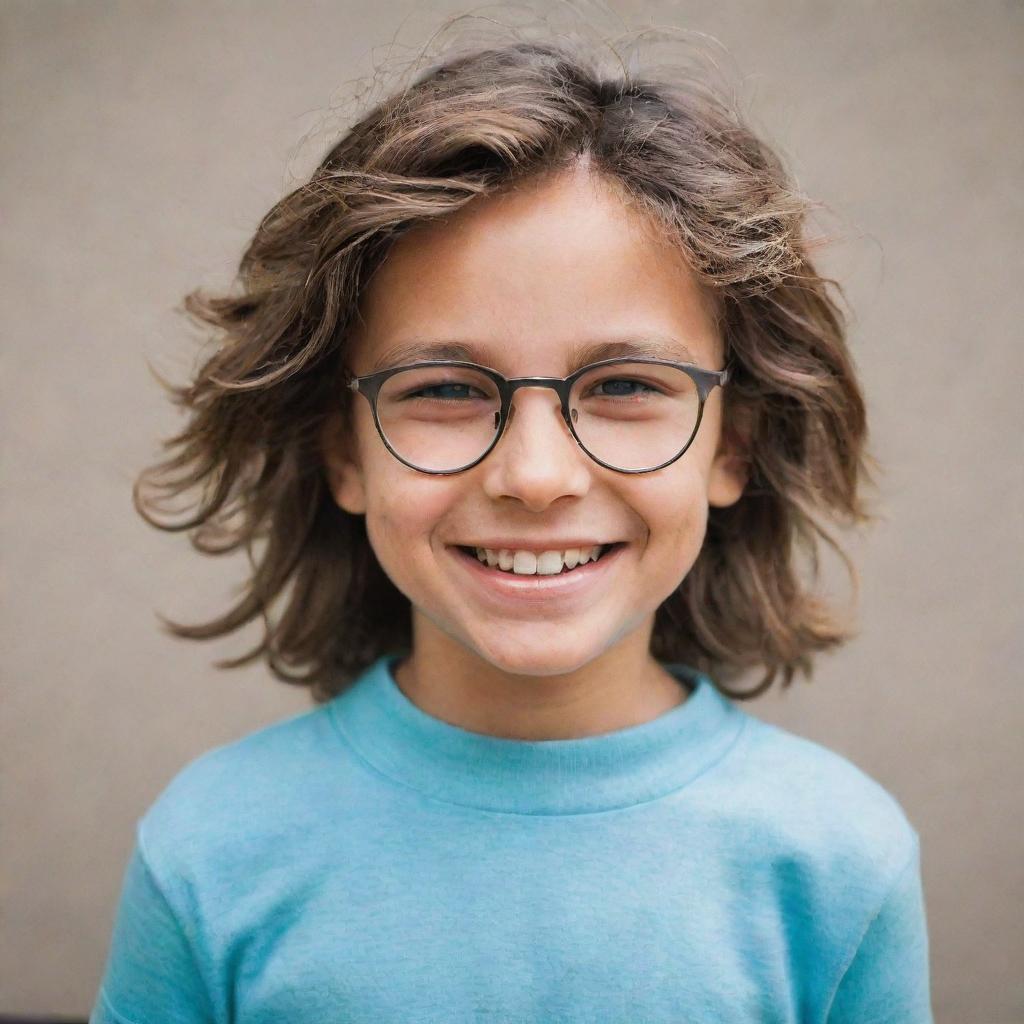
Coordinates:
[475,555]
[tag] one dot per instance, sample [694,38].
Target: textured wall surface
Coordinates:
[142,142]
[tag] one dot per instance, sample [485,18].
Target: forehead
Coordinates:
[535,279]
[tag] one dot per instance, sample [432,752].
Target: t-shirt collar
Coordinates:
[561,776]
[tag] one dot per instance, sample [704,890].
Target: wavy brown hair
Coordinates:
[472,125]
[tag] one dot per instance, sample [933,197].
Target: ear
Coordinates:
[341,464]
[730,469]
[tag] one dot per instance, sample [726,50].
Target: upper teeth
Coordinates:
[544,563]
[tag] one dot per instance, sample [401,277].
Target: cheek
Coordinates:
[676,513]
[402,517]
[395,542]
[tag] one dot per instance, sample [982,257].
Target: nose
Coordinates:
[537,460]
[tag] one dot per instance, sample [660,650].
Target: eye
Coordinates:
[456,391]
[621,387]
[427,385]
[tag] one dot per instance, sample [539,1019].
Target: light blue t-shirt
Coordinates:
[365,862]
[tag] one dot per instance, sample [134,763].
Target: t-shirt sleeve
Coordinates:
[887,979]
[152,972]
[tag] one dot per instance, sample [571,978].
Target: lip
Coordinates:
[506,591]
[558,544]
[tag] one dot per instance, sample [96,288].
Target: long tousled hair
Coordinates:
[470,126]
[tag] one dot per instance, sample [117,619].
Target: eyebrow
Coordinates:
[653,346]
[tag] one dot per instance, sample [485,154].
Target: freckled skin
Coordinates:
[527,276]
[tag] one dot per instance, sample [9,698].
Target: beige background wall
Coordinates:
[142,141]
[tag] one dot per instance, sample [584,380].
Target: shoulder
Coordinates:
[816,806]
[263,782]
[826,849]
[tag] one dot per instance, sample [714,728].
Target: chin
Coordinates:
[534,655]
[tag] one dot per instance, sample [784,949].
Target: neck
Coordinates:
[623,687]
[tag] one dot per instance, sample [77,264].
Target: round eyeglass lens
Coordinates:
[439,418]
[635,416]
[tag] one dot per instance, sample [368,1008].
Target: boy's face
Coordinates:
[524,278]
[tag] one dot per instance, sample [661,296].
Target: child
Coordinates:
[530,396]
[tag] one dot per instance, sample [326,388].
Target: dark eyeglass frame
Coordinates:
[369,386]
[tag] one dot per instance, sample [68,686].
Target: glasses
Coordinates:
[629,415]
